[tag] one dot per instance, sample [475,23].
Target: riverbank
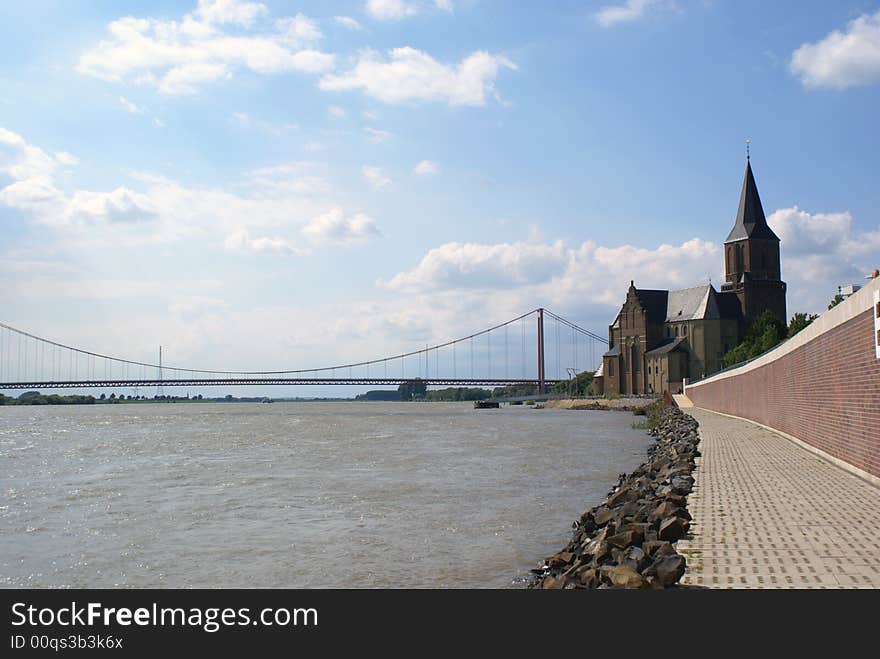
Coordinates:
[628,541]
[623,404]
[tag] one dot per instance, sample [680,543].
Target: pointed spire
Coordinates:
[750,220]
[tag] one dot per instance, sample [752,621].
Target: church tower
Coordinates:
[751,258]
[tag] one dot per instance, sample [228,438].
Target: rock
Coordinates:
[626,539]
[658,548]
[552,583]
[673,528]
[603,516]
[682,484]
[668,569]
[588,578]
[622,496]
[624,576]
[668,509]
[635,558]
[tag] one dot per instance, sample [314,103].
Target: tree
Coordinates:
[765,332]
[103,397]
[798,322]
[837,299]
[412,389]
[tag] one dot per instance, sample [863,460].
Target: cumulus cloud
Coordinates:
[333,228]
[336,111]
[275,128]
[376,177]
[445,5]
[821,251]
[235,12]
[178,57]
[631,10]
[426,168]
[843,58]
[375,135]
[386,10]
[240,241]
[298,178]
[348,22]
[275,201]
[408,74]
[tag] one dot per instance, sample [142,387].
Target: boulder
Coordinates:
[667,569]
[624,576]
[673,528]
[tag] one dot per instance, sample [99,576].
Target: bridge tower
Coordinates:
[540,351]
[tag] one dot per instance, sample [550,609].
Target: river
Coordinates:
[298,495]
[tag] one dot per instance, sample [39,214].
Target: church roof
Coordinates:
[670,345]
[654,303]
[696,303]
[692,304]
[750,220]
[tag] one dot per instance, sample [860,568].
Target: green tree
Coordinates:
[765,332]
[837,299]
[798,322]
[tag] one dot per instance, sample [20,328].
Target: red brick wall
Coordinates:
[825,392]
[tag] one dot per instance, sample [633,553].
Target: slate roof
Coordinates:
[750,220]
[654,303]
[692,304]
[697,303]
[670,345]
[614,352]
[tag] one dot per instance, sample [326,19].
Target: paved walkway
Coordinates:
[770,514]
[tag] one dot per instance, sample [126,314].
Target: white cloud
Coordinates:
[279,198]
[821,251]
[178,57]
[445,5]
[336,111]
[375,135]
[333,228]
[409,74]
[292,178]
[630,10]
[129,106]
[299,29]
[842,59]
[426,167]
[240,241]
[275,128]
[386,10]
[376,176]
[229,11]
[120,205]
[348,22]
[158,122]
[66,158]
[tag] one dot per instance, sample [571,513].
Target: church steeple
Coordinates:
[750,220]
[751,257]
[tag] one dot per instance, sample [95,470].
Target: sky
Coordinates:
[285,184]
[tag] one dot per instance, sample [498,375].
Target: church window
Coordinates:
[684,330]
[611,369]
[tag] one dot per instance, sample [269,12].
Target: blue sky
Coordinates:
[249,182]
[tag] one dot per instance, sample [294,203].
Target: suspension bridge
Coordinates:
[520,351]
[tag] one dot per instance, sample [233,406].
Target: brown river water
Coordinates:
[298,495]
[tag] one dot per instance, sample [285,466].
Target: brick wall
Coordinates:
[822,387]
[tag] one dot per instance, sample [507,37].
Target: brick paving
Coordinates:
[770,514]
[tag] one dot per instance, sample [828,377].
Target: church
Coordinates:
[661,337]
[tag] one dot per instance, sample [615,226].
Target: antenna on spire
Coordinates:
[748,149]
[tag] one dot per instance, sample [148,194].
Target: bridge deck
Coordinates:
[770,514]
[221,382]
